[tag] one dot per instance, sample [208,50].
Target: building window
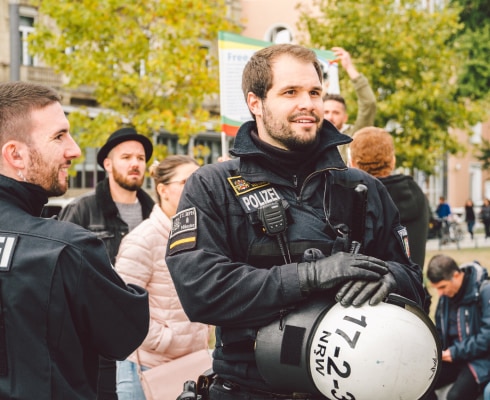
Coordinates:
[475,138]
[26,27]
[279,34]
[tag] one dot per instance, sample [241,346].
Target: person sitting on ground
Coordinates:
[463,322]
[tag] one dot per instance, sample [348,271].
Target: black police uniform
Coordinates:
[61,302]
[231,274]
[97,212]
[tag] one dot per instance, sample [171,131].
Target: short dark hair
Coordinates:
[17,101]
[441,268]
[257,75]
[335,97]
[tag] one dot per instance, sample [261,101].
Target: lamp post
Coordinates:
[15,45]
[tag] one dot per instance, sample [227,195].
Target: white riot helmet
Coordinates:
[383,352]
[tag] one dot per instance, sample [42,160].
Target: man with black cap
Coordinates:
[117,205]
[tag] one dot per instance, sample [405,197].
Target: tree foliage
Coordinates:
[402,49]
[484,154]
[148,62]
[474,13]
[474,38]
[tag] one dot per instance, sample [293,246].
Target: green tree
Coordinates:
[474,38]
[484,154]
[403,51]
[148,62]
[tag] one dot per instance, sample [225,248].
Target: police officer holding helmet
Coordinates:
[257,236]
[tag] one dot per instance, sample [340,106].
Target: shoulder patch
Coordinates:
[184,231]
[7,247]
[403,235]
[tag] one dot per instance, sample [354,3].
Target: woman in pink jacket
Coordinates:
[141,260]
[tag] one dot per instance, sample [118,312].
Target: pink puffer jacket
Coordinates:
[141,260]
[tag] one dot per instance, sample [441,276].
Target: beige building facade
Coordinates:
[465,177]
[273,20]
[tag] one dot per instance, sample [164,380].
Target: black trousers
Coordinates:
[464,384]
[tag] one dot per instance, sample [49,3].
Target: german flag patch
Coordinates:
[403,235]
[184,231]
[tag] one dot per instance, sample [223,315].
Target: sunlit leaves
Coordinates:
[404,51]
[147,61]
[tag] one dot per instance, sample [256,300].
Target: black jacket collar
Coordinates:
[31,198]
[326,153]
[109,208]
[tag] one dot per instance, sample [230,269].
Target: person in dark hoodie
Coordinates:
[373,150]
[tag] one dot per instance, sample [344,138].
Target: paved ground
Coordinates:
[478,241]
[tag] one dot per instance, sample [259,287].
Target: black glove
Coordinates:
[356,293]
[328,272]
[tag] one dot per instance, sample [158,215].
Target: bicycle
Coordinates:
[449,231]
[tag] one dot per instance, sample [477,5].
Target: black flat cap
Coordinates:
[124,135]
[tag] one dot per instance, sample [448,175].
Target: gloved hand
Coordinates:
[340,267]
[357,293]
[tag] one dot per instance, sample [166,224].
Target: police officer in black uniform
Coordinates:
[62,305]
[258,235]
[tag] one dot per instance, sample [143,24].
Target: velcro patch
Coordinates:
[184,231]
[7,247]
[403,234]
[241,186]
[253,195]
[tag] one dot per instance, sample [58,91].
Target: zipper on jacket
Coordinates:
[467,322]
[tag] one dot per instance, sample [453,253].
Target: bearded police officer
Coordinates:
[286,220]
[62,305]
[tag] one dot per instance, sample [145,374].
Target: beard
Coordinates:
[43,174]
[126,183]
[284,134]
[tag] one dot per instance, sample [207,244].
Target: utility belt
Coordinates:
[234,388]
[200,390]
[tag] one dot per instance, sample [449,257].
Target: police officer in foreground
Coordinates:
[257,236]
[116,206]
[62,305]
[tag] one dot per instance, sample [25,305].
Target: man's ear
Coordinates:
[162,191]
[12,154]
[107,164]
[254,104]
